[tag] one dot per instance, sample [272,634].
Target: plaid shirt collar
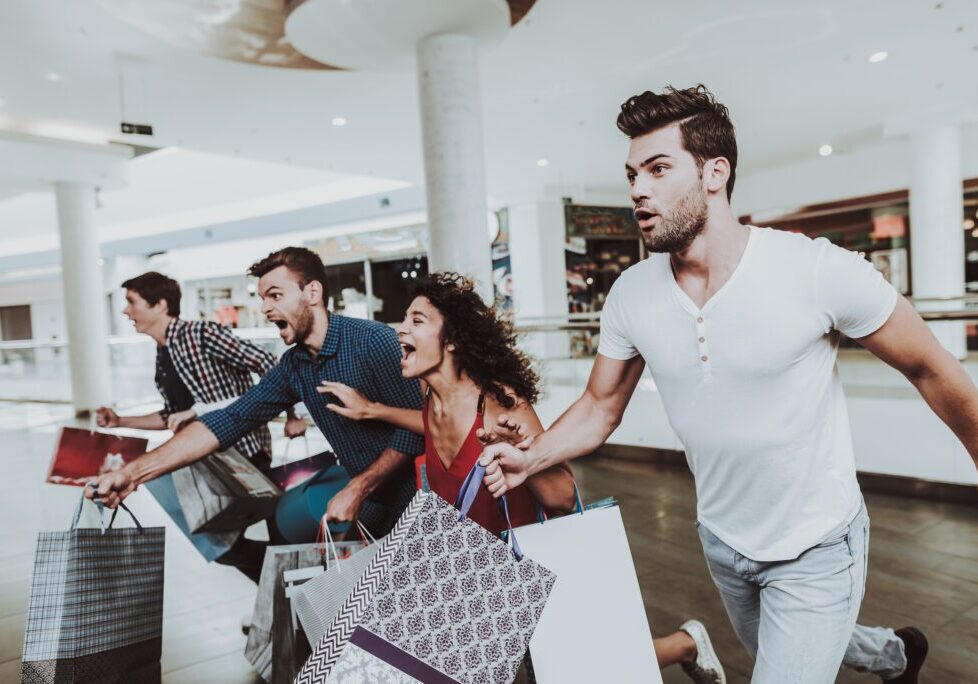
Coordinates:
[172,330]
[331,345]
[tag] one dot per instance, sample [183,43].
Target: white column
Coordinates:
[451,127]
[85,305]
[936,238]
[536,247]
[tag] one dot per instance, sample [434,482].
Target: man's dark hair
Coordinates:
[705,129]
[303,262]
[155,286]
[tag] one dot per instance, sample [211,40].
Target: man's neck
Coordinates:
[315,340]
[716,251]
[158,330]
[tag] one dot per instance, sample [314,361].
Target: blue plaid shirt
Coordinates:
[364,355]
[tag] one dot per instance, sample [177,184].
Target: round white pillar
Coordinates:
[451,127]
[936,237]
[85,305]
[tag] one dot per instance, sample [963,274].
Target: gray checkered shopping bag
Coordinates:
[95,612]
[224,492]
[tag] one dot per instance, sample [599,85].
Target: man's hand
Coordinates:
[506,429]
[295,427]
[355,405]
[106,417]
[345,505]
[179,420]
[507,467]
[112,487]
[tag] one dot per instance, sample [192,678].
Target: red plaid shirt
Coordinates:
[215,364]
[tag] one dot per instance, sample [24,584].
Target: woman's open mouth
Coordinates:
[407,351]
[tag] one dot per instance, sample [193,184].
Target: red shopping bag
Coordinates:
[83,454]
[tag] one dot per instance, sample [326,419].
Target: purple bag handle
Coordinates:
[466,497]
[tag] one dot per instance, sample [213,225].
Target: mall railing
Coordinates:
[38,370]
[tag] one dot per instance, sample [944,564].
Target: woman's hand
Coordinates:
[354,406]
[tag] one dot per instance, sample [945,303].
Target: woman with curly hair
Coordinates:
[475,382]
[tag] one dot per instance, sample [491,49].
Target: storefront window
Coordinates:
[393,281]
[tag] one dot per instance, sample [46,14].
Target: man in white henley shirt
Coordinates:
[739,327]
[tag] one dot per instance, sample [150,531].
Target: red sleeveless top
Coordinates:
[446,482]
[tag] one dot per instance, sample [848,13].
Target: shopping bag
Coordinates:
[272,647]
[210,545]
[95,612]
[317,601]
[443,600]
[292,473]
[82,454]
[224,492]
[594,621]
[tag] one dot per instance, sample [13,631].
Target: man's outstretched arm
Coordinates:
[906,343]
[191,444]
[579,431]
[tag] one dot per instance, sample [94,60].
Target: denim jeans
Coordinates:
[797,618]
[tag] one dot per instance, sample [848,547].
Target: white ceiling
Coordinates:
[795,76]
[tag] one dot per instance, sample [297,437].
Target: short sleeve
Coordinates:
[614,342]
[852,295]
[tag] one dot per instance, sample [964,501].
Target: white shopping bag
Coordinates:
[594,623]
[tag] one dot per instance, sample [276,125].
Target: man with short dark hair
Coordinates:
[740,329]
[326,346]
[200,366]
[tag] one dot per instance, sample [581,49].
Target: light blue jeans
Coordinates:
[797,618]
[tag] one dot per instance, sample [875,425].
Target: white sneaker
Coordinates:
[707,668]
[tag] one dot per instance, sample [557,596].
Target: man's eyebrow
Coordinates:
[648,161]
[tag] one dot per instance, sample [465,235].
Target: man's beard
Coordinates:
[677,229]
[302,323]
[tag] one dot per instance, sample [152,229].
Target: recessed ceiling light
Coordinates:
[53,76]
[339,121]
[825,150]
[878,57]
[542,162]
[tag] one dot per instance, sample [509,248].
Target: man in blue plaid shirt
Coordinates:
[327,346]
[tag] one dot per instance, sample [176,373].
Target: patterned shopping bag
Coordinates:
[95,612]
[443,600]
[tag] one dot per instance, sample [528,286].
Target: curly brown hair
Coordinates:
[485,343]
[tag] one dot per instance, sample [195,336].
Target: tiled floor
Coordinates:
[923,565]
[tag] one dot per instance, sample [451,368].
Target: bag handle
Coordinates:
[101,511]
[542,516]
[466,497]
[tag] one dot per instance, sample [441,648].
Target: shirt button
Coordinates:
[704,359]
[702,339]
[699,320]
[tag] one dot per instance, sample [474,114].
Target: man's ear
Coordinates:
[716,173]
[314,292]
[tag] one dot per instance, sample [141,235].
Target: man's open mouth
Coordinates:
[282,325]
